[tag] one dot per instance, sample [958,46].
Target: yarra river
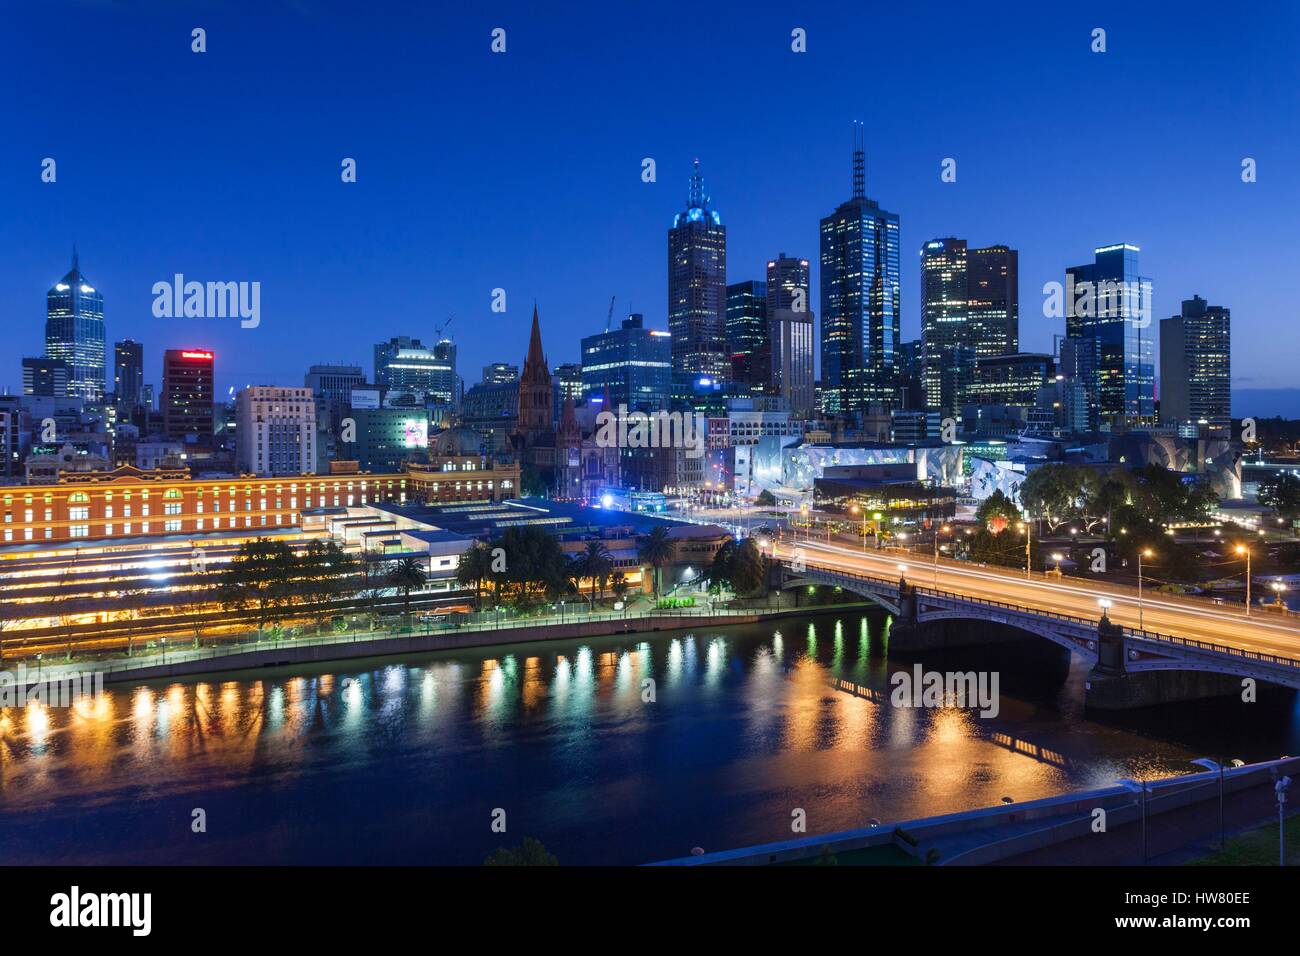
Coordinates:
[404,760]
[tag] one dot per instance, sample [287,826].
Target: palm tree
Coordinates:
[596,564]
[656,549]
[405,575]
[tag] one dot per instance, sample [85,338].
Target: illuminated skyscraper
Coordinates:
[860,301]
[747,336]
[631,364]
[74,332]
[993,300]
[697,291]
[790,333]
[1108,315]
[1196,365]
[187,396]
[947,355]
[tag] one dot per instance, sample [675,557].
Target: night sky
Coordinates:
[523,170]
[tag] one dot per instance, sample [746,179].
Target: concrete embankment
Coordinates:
[291,652]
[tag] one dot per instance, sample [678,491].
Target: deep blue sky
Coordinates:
[522,170]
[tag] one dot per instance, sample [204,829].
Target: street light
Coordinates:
[1144,553]
[1280,788]
[1104,604]
[902,574]
[944,529]
[1028,567]
[1058,558]
[1133,786]
[1209,764]
[1242,549]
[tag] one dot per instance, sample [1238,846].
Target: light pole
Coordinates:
[1028,566]
[1139,786]
[902,575]
[1242,549]
[1144,552]
[1209,764]
[1280,788]
[1058,558]
[945,529]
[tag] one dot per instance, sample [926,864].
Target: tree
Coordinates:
[749,568]
[323,570]
[997,511]
[656,549]
[1281,492]
[595,563]
[1062,492]
[406,575]
[619,585]
[474,568]
[530,852]
[260,576]
[534,562]
[765,499]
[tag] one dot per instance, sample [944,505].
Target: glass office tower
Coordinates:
[697,291]
[74,332]
[634,363]
[747,337]
[860,301]
[1108,315]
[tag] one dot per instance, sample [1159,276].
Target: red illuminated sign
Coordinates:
[205,356]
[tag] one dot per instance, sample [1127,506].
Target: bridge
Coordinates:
[1120,655]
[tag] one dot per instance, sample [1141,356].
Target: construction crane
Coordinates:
[437,329]
[609,319]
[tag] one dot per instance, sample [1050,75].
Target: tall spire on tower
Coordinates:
[536,357]
[74,257]
[859,161]
[696,198]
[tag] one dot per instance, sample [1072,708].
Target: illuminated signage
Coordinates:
[204,356]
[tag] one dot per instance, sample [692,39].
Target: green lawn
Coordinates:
[1256,848]
[886,855]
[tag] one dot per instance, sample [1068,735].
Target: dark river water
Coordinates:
[406,760]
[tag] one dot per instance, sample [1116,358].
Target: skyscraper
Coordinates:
[45,377]
[747,336]
[187,394]
[1196,365]
[860,300]
[1108,315]
[334,382]
[993,300]
[790,333]
[697,291]
[947,355]
[128,373]
[74,332]
[403,364]
[632,364]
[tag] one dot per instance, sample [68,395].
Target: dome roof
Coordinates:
[456,442]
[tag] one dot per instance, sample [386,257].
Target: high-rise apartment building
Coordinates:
[1196,365]
[275,431]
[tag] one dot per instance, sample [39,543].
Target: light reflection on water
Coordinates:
[404,760]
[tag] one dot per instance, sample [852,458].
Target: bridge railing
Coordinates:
[1153,636]
[1212,647]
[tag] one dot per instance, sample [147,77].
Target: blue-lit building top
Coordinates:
[74,332]
[1108,323]
[860,302]
[697,289]
[633,362]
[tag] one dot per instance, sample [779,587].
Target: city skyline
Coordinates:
[316,277]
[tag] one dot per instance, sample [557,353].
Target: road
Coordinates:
[1263,631]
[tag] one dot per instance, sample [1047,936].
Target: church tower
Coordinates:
[536,411]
